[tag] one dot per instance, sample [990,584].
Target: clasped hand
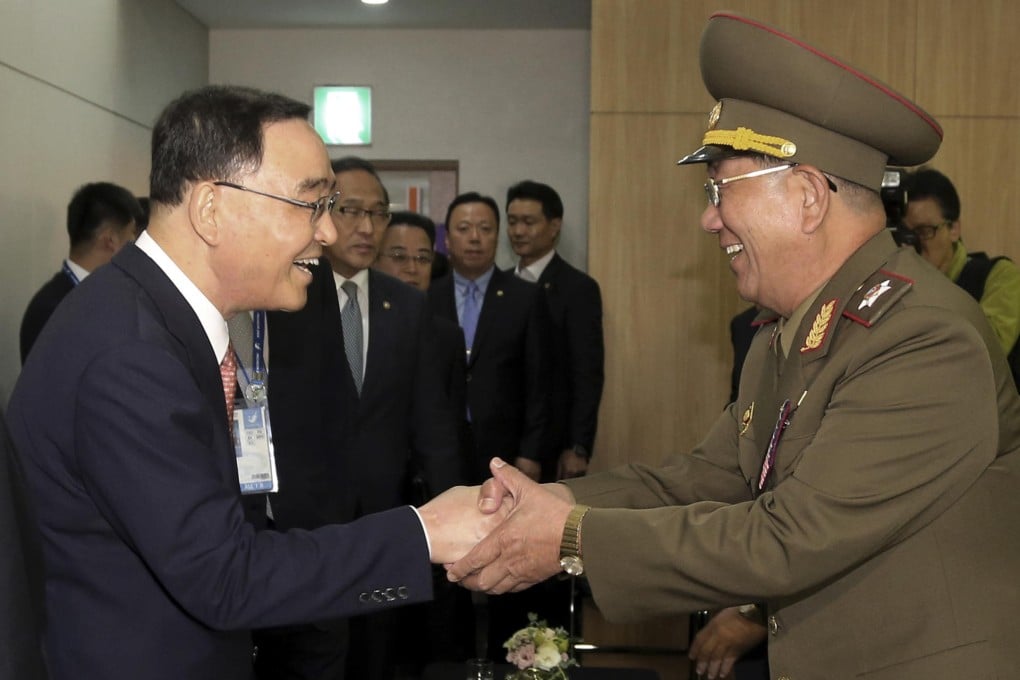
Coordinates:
[521,524]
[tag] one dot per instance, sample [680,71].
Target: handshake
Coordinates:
[501,536]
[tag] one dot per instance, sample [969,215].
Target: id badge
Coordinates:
[253,448]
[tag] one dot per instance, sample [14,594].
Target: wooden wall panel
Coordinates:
[968,56]
[666,286]
[645,52]
[982,157]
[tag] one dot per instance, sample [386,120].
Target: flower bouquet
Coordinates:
[539,652]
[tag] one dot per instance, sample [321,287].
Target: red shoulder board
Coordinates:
[876,295]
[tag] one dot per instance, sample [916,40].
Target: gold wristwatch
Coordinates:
[570,544]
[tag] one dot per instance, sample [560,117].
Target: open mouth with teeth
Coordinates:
[307,263]
[734,250]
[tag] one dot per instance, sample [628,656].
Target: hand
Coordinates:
[455,523]
[525,548]
[725,638]
[531,468]
[571,465]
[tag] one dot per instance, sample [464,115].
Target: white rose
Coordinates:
[547,656]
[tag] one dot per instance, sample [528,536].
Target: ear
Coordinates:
[815,196]
[555,224]
[446,240]
[202,212]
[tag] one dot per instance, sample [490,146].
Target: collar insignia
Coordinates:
[819,328]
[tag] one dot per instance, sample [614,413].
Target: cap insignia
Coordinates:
[713,115]
[819,328]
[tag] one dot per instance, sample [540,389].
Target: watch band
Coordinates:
[570,543]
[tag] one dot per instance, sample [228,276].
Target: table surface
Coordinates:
[457,671]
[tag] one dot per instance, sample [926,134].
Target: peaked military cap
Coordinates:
[779,96]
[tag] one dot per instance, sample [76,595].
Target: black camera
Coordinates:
[894,199]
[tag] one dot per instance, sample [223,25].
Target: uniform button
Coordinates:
[784,677]
[774,629]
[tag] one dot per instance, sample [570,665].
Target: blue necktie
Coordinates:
[469,317]
[350,322]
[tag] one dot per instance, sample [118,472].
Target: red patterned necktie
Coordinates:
[228,372]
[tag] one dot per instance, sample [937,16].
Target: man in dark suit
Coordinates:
[399,417]
[534,217]
[441,630]
[121,423]
[21,598]
[507,363]
[101,219]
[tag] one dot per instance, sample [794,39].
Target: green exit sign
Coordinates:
[343,114]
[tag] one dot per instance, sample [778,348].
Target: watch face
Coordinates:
[572,565]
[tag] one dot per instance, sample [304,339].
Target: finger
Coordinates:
[481,555]
[490,495]
[713,668]
[512,479]
[727,666]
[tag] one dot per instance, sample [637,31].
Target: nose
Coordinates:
[365,224]
[325,230]
[711,220]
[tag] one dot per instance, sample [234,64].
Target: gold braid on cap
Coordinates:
[746,139]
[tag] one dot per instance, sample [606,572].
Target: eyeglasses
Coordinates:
[351,215]
[926,232]
[324,204]
[400,258]
[712,186]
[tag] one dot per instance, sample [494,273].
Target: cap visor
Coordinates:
[707,154]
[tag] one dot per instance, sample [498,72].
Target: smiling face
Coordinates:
[531,234]
[471,238]
[357,242]
[760,234]
[267,244]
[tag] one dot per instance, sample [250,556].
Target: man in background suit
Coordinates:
[441,630]
[399,418]
[534,217]
[120,419]
[101,219]
[507,363]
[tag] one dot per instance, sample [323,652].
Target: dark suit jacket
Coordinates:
[402,415]
[575,309]
[507,373]
[40,309]
[305,383]
[151,570]
[450,356]
[21,597]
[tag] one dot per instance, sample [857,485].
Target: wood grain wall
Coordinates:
[668,292]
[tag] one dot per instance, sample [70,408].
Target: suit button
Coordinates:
[402,592]
[773,627]
[364,597]
[469,377]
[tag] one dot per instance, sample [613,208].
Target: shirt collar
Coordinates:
[77,269]
[538,266]
[360,280]
[482,281]
[212,321]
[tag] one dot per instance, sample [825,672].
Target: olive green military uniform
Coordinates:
[884,544]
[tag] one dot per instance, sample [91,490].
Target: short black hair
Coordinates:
[406,218]
[528,190]
[96,203]
[473,197]
[213,133]
[930,183]
[349,163]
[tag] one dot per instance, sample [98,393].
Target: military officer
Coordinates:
[856,490]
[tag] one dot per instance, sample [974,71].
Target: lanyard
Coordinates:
[66,268]
[256,389]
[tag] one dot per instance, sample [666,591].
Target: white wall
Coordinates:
[81,82]
[509,105]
